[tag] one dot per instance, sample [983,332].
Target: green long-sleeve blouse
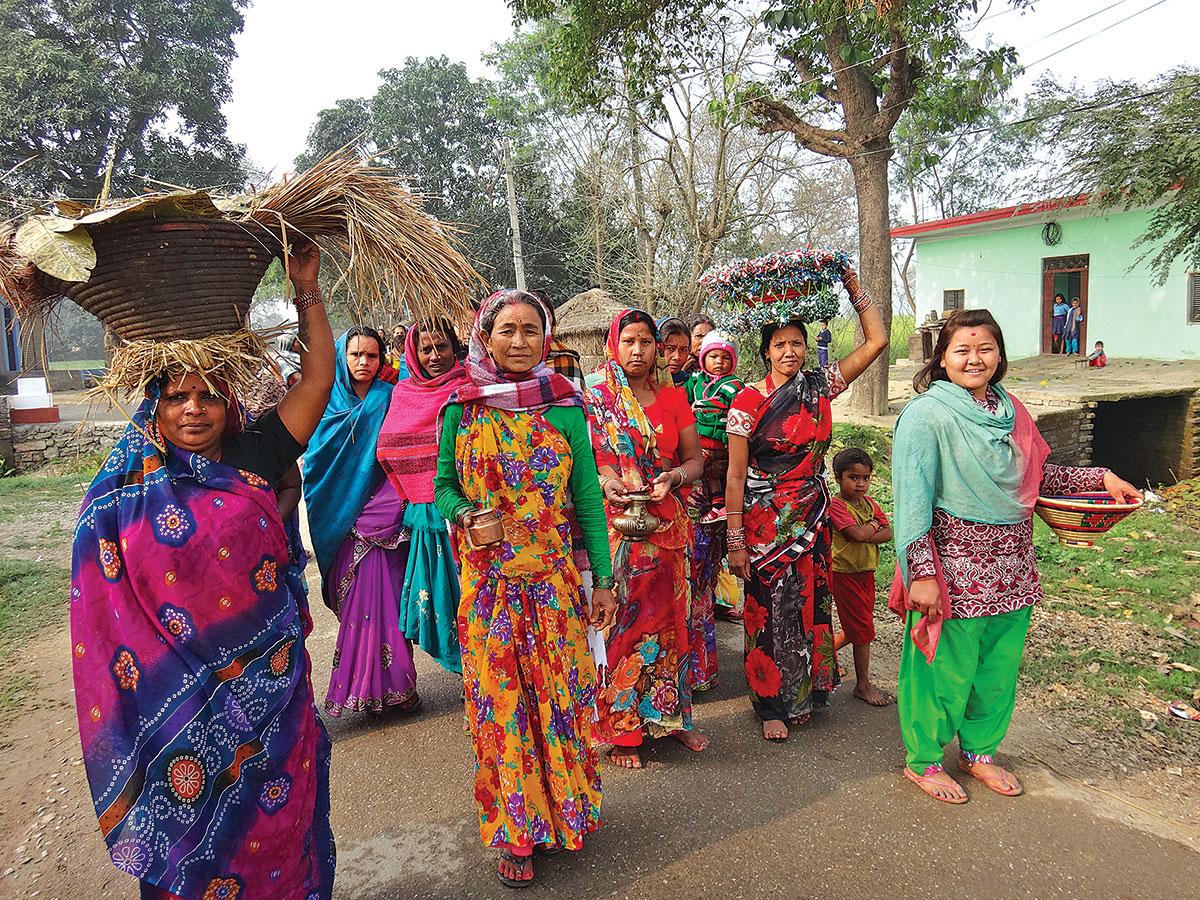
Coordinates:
[584,482]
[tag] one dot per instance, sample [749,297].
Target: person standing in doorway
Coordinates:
[1071,331]
[1058,323]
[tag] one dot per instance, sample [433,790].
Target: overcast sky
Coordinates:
[297,57]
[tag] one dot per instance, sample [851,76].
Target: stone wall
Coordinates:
[1067,428]
[8,459]
[36,445]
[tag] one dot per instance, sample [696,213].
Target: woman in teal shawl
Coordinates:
[356,517]
[968,465]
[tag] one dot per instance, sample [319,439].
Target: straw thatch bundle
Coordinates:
[583,323]
[173,274]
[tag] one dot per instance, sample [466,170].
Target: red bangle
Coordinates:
[307,299]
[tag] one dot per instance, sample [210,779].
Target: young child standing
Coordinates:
[711,390]
[1071,332]
[824,339]
[859,527]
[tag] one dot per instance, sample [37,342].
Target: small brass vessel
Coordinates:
[635,521]
[484,529]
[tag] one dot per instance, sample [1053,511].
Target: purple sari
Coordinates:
[373,663]
[208,765]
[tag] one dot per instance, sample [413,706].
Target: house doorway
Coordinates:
[1066,275]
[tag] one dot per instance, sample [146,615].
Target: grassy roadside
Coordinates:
[36,515]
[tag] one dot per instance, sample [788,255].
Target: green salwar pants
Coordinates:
[968,690]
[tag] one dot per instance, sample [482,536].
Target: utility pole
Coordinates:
[513,222]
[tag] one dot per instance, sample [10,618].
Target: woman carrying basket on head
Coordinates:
[208,765]
[514,442]
[779,430]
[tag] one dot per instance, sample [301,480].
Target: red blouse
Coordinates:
[670,414]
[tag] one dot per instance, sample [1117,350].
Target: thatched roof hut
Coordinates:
[583,323]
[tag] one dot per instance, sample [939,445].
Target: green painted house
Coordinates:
[1014,260]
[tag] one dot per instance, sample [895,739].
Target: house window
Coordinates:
[1193,298]
[952,300]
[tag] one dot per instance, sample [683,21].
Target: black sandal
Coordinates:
[519,862]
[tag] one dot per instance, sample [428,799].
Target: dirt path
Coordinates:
[824,815]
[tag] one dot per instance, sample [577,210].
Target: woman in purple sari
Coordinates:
[356,519]
[208,765]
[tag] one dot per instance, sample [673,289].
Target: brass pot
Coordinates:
[635,522]
[484,529]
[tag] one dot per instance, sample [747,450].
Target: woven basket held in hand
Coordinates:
[166,280]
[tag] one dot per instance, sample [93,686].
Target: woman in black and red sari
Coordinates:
[779,430]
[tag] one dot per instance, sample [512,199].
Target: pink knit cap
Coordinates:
[718,340]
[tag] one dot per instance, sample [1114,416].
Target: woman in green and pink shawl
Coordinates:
[968,465]
[208,765]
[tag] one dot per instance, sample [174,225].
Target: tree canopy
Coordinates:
[838,76]
[135,84]
[1132,145]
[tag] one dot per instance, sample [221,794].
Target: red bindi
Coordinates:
[972,334]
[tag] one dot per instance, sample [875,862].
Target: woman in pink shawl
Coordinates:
[407,450]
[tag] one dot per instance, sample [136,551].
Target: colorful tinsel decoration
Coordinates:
[802,283]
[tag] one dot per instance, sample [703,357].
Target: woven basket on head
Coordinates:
[167,280]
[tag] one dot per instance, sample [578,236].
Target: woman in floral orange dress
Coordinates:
[779,430]
[515,440]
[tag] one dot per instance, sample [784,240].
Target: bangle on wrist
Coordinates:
[602,582]
[308,298]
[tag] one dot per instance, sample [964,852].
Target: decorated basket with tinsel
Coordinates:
[805,283]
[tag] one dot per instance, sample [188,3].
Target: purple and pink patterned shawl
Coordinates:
[207,763]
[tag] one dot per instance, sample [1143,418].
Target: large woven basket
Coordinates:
[181,279]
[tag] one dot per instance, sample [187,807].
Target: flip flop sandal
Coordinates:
[922,780]
[967,762]
[519,862]
[547,849]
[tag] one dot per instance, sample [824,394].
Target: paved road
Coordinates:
[823,816]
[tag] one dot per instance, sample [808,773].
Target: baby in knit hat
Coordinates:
[711,391]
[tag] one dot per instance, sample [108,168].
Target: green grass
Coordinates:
[19,494]
[33,596]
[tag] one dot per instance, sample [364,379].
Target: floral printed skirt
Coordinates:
[648,648]
[790,664]
[530,701]
[702,625]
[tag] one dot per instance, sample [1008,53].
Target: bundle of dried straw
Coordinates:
[393,261]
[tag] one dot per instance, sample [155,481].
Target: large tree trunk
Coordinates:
[870,392]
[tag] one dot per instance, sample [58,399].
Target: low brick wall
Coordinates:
[1067,428]
[36,445]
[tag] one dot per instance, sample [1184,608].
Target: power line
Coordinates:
[1094,33]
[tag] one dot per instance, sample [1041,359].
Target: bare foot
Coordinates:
[868,693]
[774,730]
[625,757]
[993,776]
[515,871]
[693,740]
[938,785]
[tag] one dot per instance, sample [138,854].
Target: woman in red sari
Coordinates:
[779,430]
[645,438]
